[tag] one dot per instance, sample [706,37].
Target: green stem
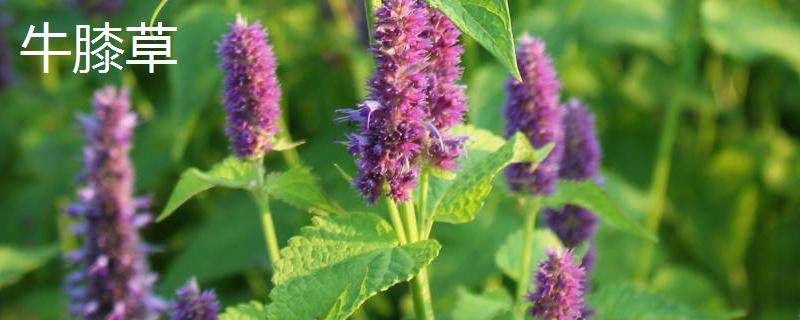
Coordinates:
[425,219]
[410,221]
[420,292]
[658,187]
[394,214]
[420,288]
[267,223]
[529,209]
[269,233]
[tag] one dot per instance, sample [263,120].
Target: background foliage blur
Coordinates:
[729,239]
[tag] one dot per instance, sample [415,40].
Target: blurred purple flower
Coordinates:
[533,109]
[559,288]
[101,8]
[113,280]
[5,53]
[192,304]
[581,159]
[252,92]
[392,121]
[572,224]
[447,100]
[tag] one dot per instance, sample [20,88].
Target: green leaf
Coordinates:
[299,188]
[751,30]
[484,306]
[245,311]
[589,195]
[195,80]
[461,200]
[338,263]
[624,302]
[508,256]
[16,262]
[486,21]
[230,173]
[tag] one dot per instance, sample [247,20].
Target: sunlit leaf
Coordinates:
[508,257]
[488,22]
[16,262]
[299,188]
[338,263]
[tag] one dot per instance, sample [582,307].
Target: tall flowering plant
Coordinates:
[112,279]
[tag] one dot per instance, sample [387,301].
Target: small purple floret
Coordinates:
[113,279]
[572,224]
[192,304]
[5,53]
[533,109]
[581,159]
[559,288]
[252,92]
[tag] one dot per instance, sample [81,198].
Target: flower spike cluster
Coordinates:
[193,304]
[533,109]
[414,100]
[559,288]
[252,92]
[574,224]
[113,280]
[392,121]
[447,100]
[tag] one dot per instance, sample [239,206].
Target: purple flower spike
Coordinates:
[113,280]
[392,121]
[447,100]
[533,109]
[252,92]
[559,288]
[581,159]
[192,304]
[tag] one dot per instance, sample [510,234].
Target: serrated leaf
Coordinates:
[484,306]
[338,263]
[486,21]
[230,173]
[625,302]
[299,188]
[16,262]
[589,195]
[508,257]
[460,200]
[246,311]
[749,30]
[196,77]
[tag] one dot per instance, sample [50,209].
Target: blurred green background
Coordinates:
[729,68]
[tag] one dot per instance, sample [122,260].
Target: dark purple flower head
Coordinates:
[559,288]
[392,121]
[192,304]
[252,93]
[533,109]
[581,159]
[102,8]
[113,280]
[447,100]
[5,54]
[572,224]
